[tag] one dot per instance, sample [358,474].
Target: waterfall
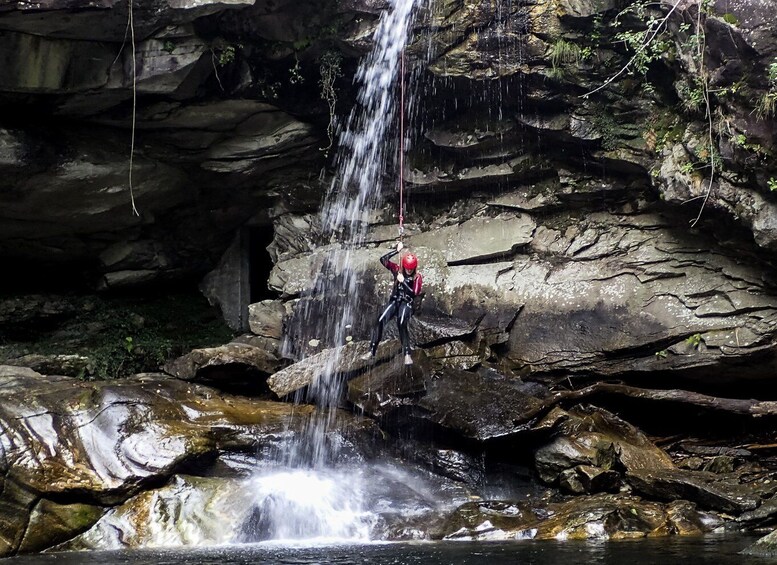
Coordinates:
[312,497]
[353,197]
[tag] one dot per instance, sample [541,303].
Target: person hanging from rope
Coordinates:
[407,285]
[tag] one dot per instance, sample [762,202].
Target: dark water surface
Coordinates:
[720,550]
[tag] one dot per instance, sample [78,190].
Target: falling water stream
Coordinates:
[313,495]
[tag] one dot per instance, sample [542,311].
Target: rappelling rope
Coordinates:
[401,144]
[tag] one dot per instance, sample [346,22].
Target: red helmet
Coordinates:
[409,262]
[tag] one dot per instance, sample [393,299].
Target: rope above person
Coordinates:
[401,145]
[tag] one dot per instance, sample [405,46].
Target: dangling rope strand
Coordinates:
[401,144]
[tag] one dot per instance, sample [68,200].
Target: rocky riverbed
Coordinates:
[595,346]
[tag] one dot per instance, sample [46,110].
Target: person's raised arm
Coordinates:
[386,259]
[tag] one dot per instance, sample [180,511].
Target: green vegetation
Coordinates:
[225,55]
[772,184]
[563,53]
[694,341]
[766,106]
[767,103]
[121,336]
[730,19]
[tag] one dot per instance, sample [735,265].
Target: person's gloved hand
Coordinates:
[400,276]
[399,246]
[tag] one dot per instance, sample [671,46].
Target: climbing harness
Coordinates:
[401,144]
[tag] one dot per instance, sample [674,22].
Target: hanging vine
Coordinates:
[330,71]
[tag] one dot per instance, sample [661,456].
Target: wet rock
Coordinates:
[349,359]
[706,489]
[189,511]
[477,406]
[228,366]
[761,516]
[598,517]
[99,443]
[764,547]
[589,479]
[388,386]
[457,466]
[594,438]
[455,355]
[52,523]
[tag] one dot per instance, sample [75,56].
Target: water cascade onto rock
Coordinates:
[307,498]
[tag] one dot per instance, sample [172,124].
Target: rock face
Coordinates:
[556,211]
[607,293]
[67,61]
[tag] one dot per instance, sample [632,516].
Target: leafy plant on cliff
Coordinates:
[563,53]
[767,103]
[222,54]
[652,39]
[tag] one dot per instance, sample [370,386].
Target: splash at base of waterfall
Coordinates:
[361,503]
[303,504]
[355,503]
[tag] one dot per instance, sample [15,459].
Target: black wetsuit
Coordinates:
[400,304]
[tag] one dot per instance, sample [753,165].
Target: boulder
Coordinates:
[708,490]
[588,442]
[266,318]
[188,511]
[764,547]
[347,360]
[589,479]
[599,517]
[231,366]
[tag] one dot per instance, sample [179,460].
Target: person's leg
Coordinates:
[403,319]
[377,333]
